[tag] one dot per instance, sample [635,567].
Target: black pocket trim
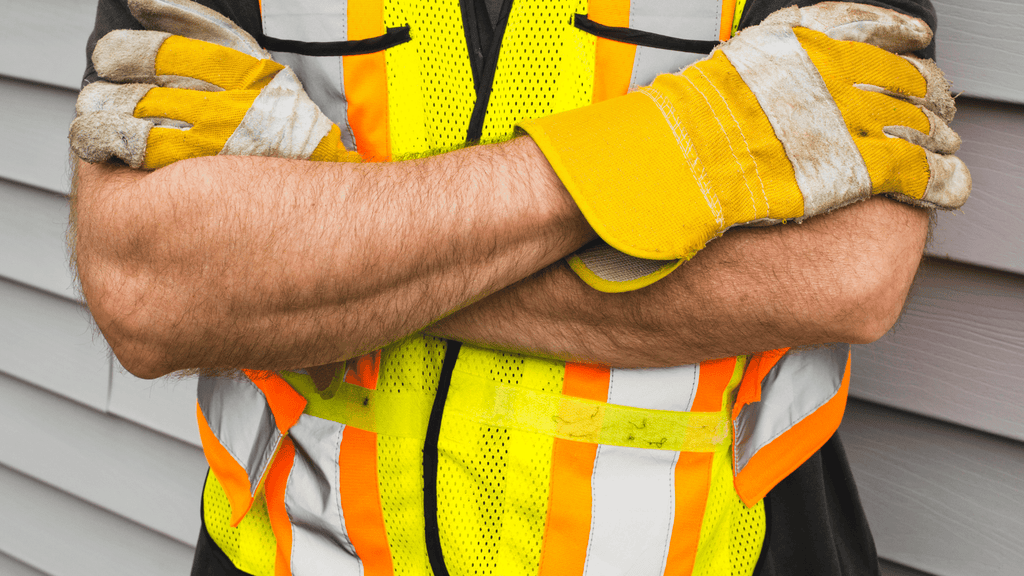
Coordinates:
[641,38]
[393,37]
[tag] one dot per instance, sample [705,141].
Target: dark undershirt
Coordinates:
[816,525]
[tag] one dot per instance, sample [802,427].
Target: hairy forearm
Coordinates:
[839,277]
[268,263]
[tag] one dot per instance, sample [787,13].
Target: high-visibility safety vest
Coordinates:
[435,457]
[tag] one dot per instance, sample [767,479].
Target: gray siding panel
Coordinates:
[166,404]
[142,475]
[34,146]
[941,499]
[989,230]
[13,567]
[32,231]
[51,342]
[957,354]
[979,47]
[64,536]
[54,30]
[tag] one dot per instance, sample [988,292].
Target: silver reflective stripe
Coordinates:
[313,501]
[803,114]
[799,384]
[692,20]
[322,76]
[655,388]
[633,489]
[240,418]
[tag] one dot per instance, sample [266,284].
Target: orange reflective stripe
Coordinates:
[360,501]
[285,403]
[614,60]
[693,482]
[274,487]
[366,83]
[750,388]
[228,471]
[572,465]
[786,453]
[728,12]
[364,370]
[715,375]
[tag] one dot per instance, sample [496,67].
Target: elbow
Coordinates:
[125,317]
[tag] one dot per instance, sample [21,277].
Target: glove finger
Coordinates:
[218,65]
[186,18]
[166,145]
[131,56]
[881,27]
[105,96]
[949,183]
[103,135]
[209,110]
[863,64]
[939,138]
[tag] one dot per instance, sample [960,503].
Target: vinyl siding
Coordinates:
[105,468]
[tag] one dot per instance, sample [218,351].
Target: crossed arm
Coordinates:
[225,262]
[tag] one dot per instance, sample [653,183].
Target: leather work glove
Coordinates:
[790,119]
[210,89]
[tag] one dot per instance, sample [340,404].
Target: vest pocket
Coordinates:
[642,37]
[393,37]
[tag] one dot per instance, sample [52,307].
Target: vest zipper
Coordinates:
[488,65]
[432,535]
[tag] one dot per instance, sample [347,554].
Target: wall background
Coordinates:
[100,472]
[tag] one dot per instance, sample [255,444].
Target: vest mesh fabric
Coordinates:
[731,534]
[412,365]
[493,482]
[251,545]
[430,82]
[546,66]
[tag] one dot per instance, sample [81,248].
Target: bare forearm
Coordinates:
[259,262]
[839,277]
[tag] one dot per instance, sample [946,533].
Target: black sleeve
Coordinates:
[757,10]
[114,15]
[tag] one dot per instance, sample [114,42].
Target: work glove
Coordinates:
[790,119]
[195,84]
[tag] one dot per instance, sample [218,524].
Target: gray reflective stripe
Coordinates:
[799,384]
[633,489]
[692,20]
[313,501]
[240,418]
[322,76]
[633,510]
[804,116]
[655,388]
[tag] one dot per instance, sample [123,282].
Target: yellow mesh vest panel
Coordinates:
[493,482]
[430,82]
[731,534]
[251,545]
[546,65]
[414,366]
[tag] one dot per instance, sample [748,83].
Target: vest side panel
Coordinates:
[692,20]
[788,449]
[240,436]
[313,500]
[801,382]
